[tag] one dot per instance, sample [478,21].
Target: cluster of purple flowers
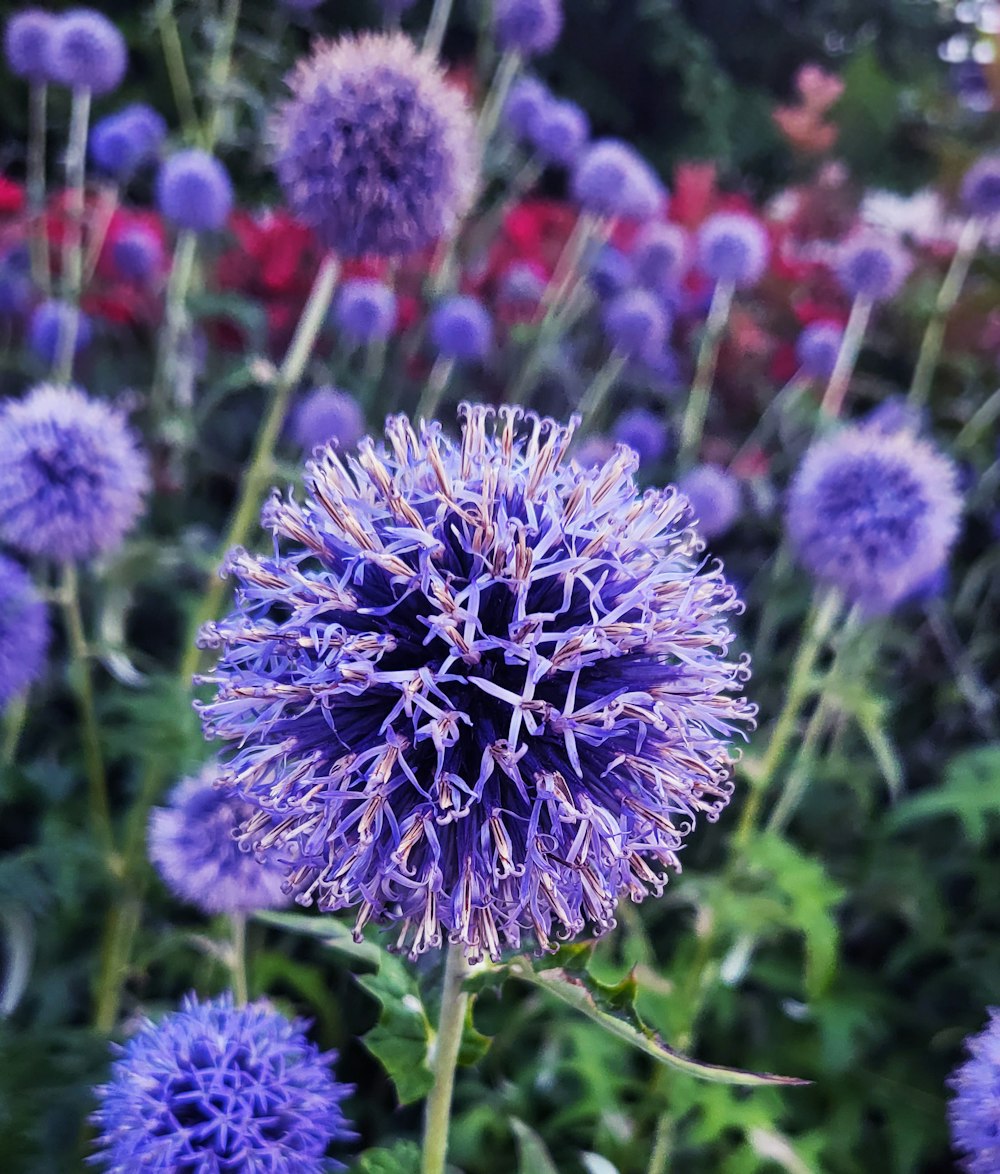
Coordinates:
[81,49]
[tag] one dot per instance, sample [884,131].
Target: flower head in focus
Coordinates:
[733,247]
[972,1113]
[24,631]
[327,416]
[27,44]
[528,27]
[611,179]
[72,477]
[479,691]
[194,191]
[376,152]
[88,52]
[216,1087]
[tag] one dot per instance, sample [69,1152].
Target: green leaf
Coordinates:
[533,1156]
[970,792]
[333,934]
[402,1158]
[400,1039]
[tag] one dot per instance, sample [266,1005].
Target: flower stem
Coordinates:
[436,26]
[951,287]
[696,412]
[503,79]
[173,55]
[176,320]
[238,957]
[218,72]
[593,401]
[13,725]
[445,1049]
[72,257]
[659,1159]
[37,118]
[437,383]
[847,357]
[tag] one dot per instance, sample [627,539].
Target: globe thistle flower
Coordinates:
[216,1087]
[733,247]
[895,415]
[559,132]
[48,322]
[873,266]
[376,152]
[123,142]
[980,190]
[528,97]
[873,513]
[88,52]
[522,282]
[24,631]
[610,272]
[715,498]
[27,44]
[484,692]
[461,329]
[817,348]
[15,283]
[611,179]
[327,416]
[193,847]
[645,432]
[594,451]
[972,1113]
[660,255]
[137,254]
[193,191]
[301,5]
[72,478]
[365,310]
[528,27]
[636,323]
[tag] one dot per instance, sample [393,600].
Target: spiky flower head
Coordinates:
[27,44]
[328,416]
[872,265]
[24,631]
[715,497]
[636,323]
[122,142]
[817,348]
[645,432]
[376,152]
[481,692]
[612,179]
[216,1087]
[461,328]
[365,309]
[72,477]
[527,27]
[973,1111]
[660,255]
[194,191]
[48,322]
[873,513]
[980,191]
[88,52]
[560,132]
[192,843]
[733,247]
[528,97]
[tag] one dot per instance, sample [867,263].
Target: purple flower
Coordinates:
[733,247]
[873,514]
[72,478]
[645,432]
[525,102]
[636,324]
[461,329]
[611,179]
[194,192]
[365,310]
[216,1087]
[192,844]
[375,150]
[522,282]
[980,191]
[872,266]
[610,272]
[327,415]
[24,631]
[972,1113]
[27,44]
[527,27]
[895,415]
[559,132]
[46,327]
[594,451]
[123,142]
[138,254]
[15,284]
[660,255]
[817,349]
[88,52]
[715,498]
[485,692]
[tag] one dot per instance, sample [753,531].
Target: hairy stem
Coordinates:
[454,1003]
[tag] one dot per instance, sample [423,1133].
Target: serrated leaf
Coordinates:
[533,1156]
[970,792]
[402,1158]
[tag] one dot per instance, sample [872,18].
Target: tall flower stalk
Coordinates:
[444,1060]
[696,411]
[72,258]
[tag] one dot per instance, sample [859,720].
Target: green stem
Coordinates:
[445,1049]
[37,119]
[123,923]
[238,957]
[503,79]
[72,257]
[176,320]
[659,1159]
[434,36]
[173,55]
[696,412]
[951,287]
[13,725]
[983,418]
[219,70]
[593,401]
[437,383]
[847,357]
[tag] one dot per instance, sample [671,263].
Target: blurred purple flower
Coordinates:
[972,1113]
[733,247]
[27,44]
[525,102]
[124,141]
[611,179]
[636,323]
[461,329]
[559,132]
[327,415]
[88,52]
[610,272]
[24,631]
[817,348]
[980,192]
[528,27]
[194,192]
[660,255]
[873,266]
[138,254]
[48,321]
[645,432]
[365,310]
[715,497]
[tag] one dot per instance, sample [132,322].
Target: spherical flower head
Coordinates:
[27,44]
[872,266]
[873,514]
[528,97]
[365,310]
[972,1113]
[817,348]
[660,255]
[715,498]
[526,695]
[645,432]
[461,329]
[610,272]
[593,452]
[123,142]
[980,190]
[895,415]
[138,254]
[88,52]
[328,416]
[636,323]
[560,132]
[522,282]
[611,179]
[216,1087]
[376,152]
[527,27]
[733,247]
[72,477]
[193,847]
[48,322]
[24,631]
[193,191]
[15,285]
